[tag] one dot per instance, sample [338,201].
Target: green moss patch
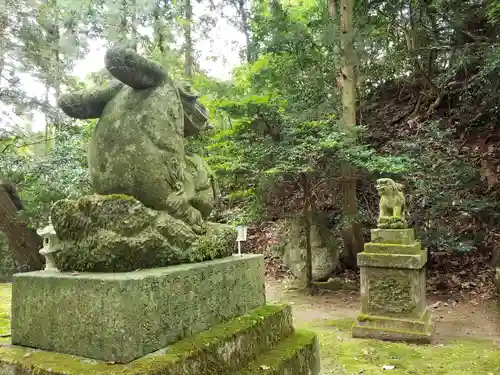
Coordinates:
[340,324]
[341,354]
[223,350]
[387,260]
[390,248]
[296,355]
[117,233]
[5,294]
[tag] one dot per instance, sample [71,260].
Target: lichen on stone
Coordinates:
[391,295]
[239,346]
[393,210]
[136,150]
[117,233]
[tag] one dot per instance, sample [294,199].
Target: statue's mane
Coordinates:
[397,186]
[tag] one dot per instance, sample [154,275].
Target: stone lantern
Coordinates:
[49,240]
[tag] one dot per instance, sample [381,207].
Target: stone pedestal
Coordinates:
[393,300]
[206,318]
[118,317]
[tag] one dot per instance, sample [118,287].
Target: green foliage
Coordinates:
[284,114]
[279,116]
[442,201]
[45,177]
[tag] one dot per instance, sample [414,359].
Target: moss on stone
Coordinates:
[122,316]
[5,297]
[117,233]
[420,324]
[222,350]
[393,236]
[137,150]
[394,329]
[209,246]
[387,334]
[391,294]
[124,197]
[388,260]
[297,355]
[391,248]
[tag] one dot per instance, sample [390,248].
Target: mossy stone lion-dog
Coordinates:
[152,198]
[137,146]
[393,212]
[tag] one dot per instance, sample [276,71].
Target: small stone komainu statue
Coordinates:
[393,211]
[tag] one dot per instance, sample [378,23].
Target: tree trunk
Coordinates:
[245,27]
[306,211]
[123,30]
[24,243]
[353,240]
[159,37]
[3,35]
[188,52]
[134,34]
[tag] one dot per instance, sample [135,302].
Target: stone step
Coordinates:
[223,350]
[296,355]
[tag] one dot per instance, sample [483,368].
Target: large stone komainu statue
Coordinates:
[152,197]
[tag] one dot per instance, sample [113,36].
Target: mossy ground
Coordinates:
[341,354]
[5,294]
[458,350]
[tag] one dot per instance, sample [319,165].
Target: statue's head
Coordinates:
[195,113]
[128,68]
[386,186]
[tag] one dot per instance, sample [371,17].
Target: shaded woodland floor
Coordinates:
[467,335]
[480,320]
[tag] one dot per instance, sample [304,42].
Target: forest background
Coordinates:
[309,107]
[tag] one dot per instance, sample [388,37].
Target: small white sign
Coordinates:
[242,236]
[242,233]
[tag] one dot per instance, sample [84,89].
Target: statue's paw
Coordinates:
[199,229]
[196,221]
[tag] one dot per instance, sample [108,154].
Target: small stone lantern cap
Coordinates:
[47,231]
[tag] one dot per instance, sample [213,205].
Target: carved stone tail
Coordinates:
[132,69]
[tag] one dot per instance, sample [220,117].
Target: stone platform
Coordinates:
[119,317]
[260,342]
[393,285]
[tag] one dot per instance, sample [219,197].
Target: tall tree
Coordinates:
[24,243]
[243,24]
[353,240]
[188,40]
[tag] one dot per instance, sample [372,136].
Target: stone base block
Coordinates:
[403,261]
[394,329]
[261,342]
[118,317]
[393,236]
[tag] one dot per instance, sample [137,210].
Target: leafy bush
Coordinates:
[47,175]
